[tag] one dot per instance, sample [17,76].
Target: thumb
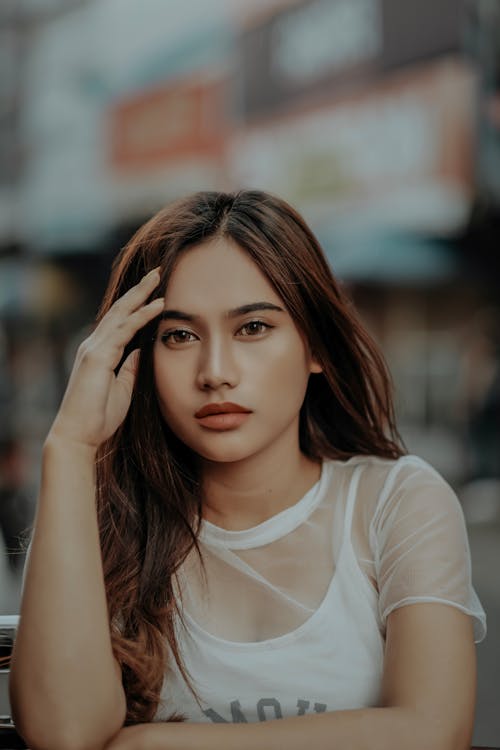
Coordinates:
[128,371]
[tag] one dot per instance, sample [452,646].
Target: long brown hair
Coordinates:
[148,488]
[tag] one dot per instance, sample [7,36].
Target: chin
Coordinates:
[223,456]
[229,453]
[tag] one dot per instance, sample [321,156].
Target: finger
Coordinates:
[128,372]
[132,300]
[107,343]
[138,294]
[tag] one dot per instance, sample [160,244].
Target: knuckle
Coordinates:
[88,355]
[144,312]
[91,354]
[83,348]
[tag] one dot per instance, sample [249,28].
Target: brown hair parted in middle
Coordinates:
[148,483]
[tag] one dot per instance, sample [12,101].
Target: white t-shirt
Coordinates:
[291,616]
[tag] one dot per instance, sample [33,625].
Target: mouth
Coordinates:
[224,407]
[222,416]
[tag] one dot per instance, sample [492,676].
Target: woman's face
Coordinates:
[210,350]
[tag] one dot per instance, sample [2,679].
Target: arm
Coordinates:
[65,685]
[428,696]
[63,672]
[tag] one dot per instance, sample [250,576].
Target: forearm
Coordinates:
[63,676]
[362,729]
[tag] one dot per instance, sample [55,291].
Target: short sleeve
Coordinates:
[419,539]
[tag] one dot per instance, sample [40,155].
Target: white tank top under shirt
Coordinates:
[291,617]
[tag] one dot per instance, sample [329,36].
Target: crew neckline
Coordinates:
[272,528]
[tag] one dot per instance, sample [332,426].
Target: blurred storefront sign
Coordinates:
[166,140]
[113,133]
[167,123]
[315,48]
[398,155]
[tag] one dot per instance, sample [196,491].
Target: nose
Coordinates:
[217,365]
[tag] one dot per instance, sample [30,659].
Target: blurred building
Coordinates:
[377,118]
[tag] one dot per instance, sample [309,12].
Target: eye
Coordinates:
[179,336]
[255,327]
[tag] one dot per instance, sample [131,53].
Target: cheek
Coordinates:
[285,374]
[170,380]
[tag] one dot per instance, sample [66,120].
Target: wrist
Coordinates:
[60,445]
[193,736]
[155,736]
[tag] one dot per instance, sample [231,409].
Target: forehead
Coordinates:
[219,273]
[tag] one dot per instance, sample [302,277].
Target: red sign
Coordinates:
[178,120]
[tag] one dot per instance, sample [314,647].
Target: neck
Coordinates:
[242,494]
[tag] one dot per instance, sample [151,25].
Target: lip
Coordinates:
[225,420]
[223,407]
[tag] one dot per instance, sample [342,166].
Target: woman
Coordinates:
[260,534]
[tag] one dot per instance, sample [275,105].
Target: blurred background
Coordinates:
[378,119]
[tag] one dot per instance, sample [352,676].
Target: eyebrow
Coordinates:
[252,307]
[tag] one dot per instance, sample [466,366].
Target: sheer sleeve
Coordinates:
[420,544]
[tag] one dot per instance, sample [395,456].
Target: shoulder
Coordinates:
[377,466]
[385,486]
[384,473]
[414,498]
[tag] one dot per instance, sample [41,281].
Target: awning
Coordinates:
[388,258]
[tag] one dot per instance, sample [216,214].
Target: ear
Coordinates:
[315,367]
